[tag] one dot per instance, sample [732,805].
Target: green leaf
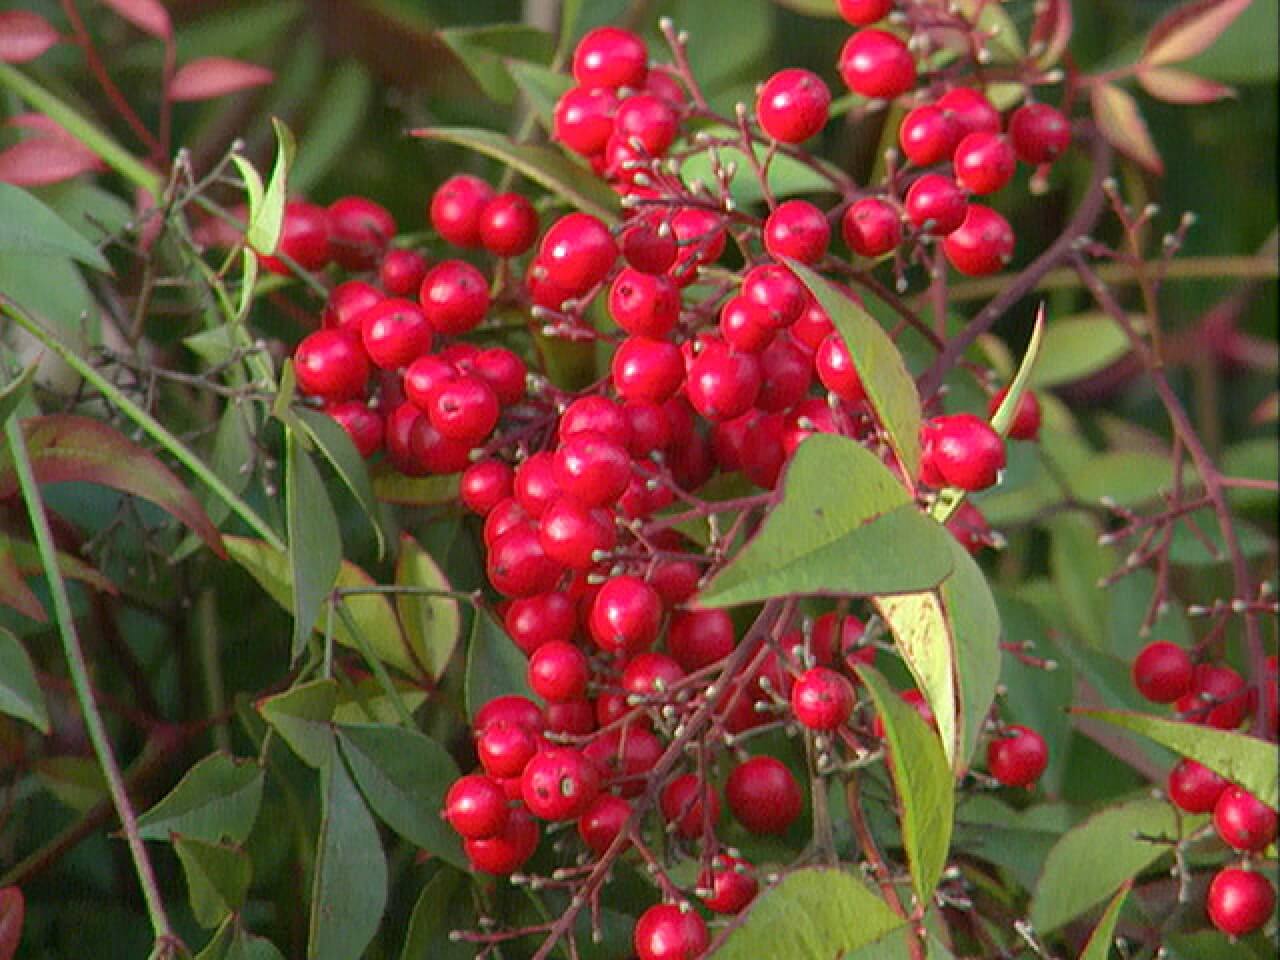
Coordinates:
[1245,52]
[1099,945]
[404,776]
[1245,760]
[950,639]
[29,228]
[812,8]
[543,165]
[76,781]
[1078,563]
[315,545]
[392,486]
[334,442]
[787,177]
[890,389]
[16,391]
[443,905]
[263,233]
[484,51]
[302,716]
[722,52]
[218,877]
[495,666]
[335,119]
[541,87]
[16,593]
[20,693]
[1002,420]
[53,289]
[369,702]
[27,557]
[372,612]
[923,782]
[215,800]
[432,624]
[1075,347]
[349,889]
[862,535]
[1091,861]
[811,914]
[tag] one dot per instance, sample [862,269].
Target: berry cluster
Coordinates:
[1239,900]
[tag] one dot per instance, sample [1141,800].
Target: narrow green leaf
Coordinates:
[1099,945]
[1077,563]
[315,545]
[263,233]
[1074,347]
[1091,861]
[20,693]
[349,890]
[215,800]
[443,905]
[1003,418]
[332,441]
[541,87]
[1245,760]
[392,486]
[302,716]
[844,525]
[495,666]
[252,184]
[335,119]
[404,776]
[922,780]
[218,877]
[28,227]
[15,391]
[890,389]
[811,914]
[432,624]
[14,590]
[485,50]
[543,165]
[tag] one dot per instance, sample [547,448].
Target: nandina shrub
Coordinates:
[740,513]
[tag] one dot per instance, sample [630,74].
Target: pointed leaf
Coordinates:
[208,77]
[1245,760]
[1002,420]
[27,226]
[24,36]
[349,891]
[890,389]
[431,624]
[923,782]
[69,448]
[1121,123]
[218,877]
[315,545]
[13,910]
[844,525]
[404,776]
[811,914]
[334,442]
[541,87]
[484,51]
[392,486]
[445,904]
[543,165]
[495,666]
[1077,346]
[1099,945]
[20,693]
[14,591]
[27,557]
[266,220]
[1051,32]
[302,717]
[1179,86]
[149,16]
[1190,29]
[216,799]
[40,161]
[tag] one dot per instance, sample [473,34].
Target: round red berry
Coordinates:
[625,615]
[465,409]
[835,368]
[540,619]
[1162,671]
[862,12]
[792,105]
[583,119]
[603,821]
[508,225]
[928,135]
[763,795]
[559,783]
[1194,787]
[592,468]
[332,364]
[395,333]
[1239,901]
[347,302]
[689,803]
[646,370]
[877,64]
[505,852]
[517,564]
[476,806]
[971,109]
[667,932]
[822,699]
[363,425]
[722,383]
[484,485]
[611,57]
[456,207]
[577,252]
[871,227]
[1017,756]
[401,272]
[984,162]
[454,296]
[961,450]
[304,238]
[359,232]
[1040,133]
[573,534]
[935,204]
[644,304]
[1243,821]
[1219,697]
[732,883]
[799,230]
[982,244]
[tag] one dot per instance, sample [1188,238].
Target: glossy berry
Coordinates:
[1017,757]
[347,302]
[778,290]
[592,468]
[1026,415]
[505,852]
[364,426]
[822,699]
[928,135]
[304,238]
[835,368]
[395,333]
[763,795]
[798,230]
[540,619]
[465,408]
[518,566]
[595,414]
[698,638]
[502,370]
[1239,901]
[610,57]
[935,204]
[651,675]
[603,821]
[535,486]
[1219,697]
[476,806]
[331,364]
[746,325]
[792,105]
[625,615]
[1039,133]
[583,119]
[509,708]
[454,296]
[559,783]
[484,485]
[666,932]
[984,162]
[863,12]
[971,109]
[722,383]
[871,227]
[401,272]
[982,244]
[687,803]
[577,252]
[1194,787]
[877,64]
[643,304]
[359,232]
[559,671]
[646,370]
[733,885]
[505,748]
[962,451]
[573,534]
[1162,671]
[649,244]
[456,207]
[646,119]
[508,225]
[1243,821]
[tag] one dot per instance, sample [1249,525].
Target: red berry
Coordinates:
[1162,672]
[363,426]
[982,244]
[456,207]
[359,232]
[1026,415]
[822,699]
[877,64]
[646,370]
[610,57]
[836,369]
[699,638]
[871,227]
[592,468]
[666,932]
[505,748]
[928,135]
[559,783]
[763,795]
[799,230]
[347,302]
[778,290]
[935,204]
[625,615]
[505,852]
[721,382]
[465,408]
[1219,697]
[732,885]
[559,671]
[304,238]
[395,333]
[1243,821]
[829,645]
[651,675]
[643,304]
[650,429]
[1194,787]
[786,372]
[502,370]
[598,415]
[746,325]
[1239,901]
[583,119]
[1040,133]
[484,484]
[626,756]
[509,708]
[401,272]
[577,252]
[972,111]
[535,485]
[603,821]
[454,296]
[862,12]
[701,239]
[648,119]
[476,807]
[984,162]
[332,364]
[508,225]
[540,619]
[1017,756]
[792,105]
[962,451]
[573,533]
[518,566]
[437,453]
[574,717]
[649,243]
[688,803]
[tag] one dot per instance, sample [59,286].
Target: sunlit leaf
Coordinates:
[1190,29]
[1179,86]
[1120,121]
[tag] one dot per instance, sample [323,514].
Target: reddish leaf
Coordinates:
[43,160]
[1121,123]
[1179,86]
[149,16]
[65,447]
[27,556]
[13,909]
[1051,32]
[209,77]
[24,36]
[14,591]
[1190,29]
